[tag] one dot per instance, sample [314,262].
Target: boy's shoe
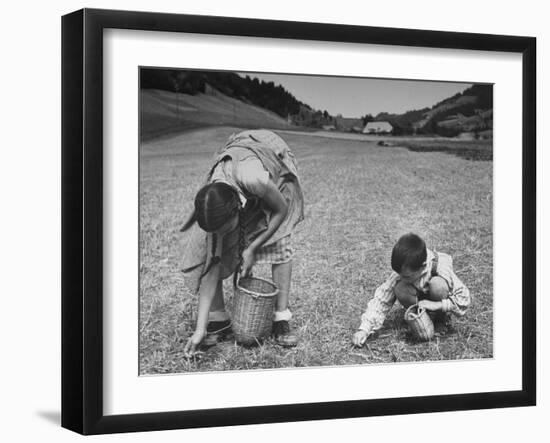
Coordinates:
[282,334]
[216,331]
[440,320]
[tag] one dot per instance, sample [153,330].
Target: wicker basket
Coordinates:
[420,323]
[253,305]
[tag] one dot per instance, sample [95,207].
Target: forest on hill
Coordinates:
[249,90]
[467,111]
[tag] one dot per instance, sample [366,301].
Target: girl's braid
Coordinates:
[215,259]
[242,243]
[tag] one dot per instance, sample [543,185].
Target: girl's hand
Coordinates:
[248,260]
[193,342]
[430,305]
[359,338]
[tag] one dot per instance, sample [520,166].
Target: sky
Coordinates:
[355,97]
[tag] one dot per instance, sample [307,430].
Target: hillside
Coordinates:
[174,100]
[466,113]
[250,90]
[164,112]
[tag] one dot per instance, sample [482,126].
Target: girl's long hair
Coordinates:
[215,204]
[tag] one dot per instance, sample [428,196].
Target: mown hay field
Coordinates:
[360,197]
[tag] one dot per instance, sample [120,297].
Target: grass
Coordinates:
[479,150]
[360,198]
[164,112]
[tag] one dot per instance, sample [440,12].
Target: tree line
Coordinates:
[249,90]
[277,99]
[406,123]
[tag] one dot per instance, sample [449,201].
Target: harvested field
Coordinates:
[360,197]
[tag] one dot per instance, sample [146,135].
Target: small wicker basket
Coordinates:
[420,323]
[253,304]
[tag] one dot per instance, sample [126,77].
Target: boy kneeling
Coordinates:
[420,276]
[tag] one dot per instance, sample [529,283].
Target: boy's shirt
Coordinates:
[384,296]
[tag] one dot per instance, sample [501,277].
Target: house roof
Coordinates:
[378,126]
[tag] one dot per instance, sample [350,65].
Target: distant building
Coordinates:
[378,128]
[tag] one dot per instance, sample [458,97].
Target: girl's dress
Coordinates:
[247,161]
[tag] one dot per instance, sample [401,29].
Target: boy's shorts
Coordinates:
[276,253]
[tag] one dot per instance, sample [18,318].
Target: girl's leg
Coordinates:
[282,273]
[218,304]
[218,319]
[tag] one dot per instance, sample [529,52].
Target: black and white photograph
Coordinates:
[295,221]
[272,222]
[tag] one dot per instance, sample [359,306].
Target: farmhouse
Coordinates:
[378,128]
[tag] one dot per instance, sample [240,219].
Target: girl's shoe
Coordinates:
[216,331]
[282,334]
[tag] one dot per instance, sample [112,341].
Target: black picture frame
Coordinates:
[82,218]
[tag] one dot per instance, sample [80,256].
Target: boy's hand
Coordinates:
[430,305]
[359,338]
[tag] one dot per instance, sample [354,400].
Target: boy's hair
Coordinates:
[410,251]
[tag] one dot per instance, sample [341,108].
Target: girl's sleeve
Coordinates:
[251,176]
[379,306]
[459,295]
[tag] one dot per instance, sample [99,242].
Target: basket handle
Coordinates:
[237,275]
[254,296]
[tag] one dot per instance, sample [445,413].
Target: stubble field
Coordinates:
[360,197]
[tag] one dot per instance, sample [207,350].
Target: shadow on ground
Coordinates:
[54,417]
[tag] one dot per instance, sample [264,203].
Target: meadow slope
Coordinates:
[164,112]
